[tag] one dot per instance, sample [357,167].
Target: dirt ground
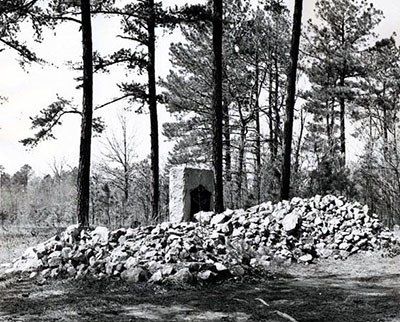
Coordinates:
[363,288]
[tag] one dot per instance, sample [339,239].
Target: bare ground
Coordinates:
[363,288]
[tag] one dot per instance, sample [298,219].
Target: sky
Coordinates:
[30,90]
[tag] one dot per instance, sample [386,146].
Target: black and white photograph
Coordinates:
[199,160]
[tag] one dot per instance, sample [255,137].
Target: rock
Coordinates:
[190,247]
[135,275]
[54,261]
[100,235]
[226,228]
[237,232]
[344,254]
[171,257]
[253,262]
[45,273]
[204,217]
[339,203]
[157,277]
[168,270]
[207,276]
[363,242]
[219,219]
[238,270]
[229,212]
[29,253]
[40,248]
[71,233]
[324,253]
[290,221]
[66,252]
[220,267]
[151,254]
[131,262]
[300,230]
[5,269]
[386,235]
[307,258]
[318,221]
[184,276]
[119,255]
[71,271]
[33,275]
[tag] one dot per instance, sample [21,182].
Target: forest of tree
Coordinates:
[268,102]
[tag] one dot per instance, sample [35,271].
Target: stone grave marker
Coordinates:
[190,190]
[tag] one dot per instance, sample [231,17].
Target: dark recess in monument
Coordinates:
[200,200]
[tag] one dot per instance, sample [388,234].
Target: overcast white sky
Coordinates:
[30,91]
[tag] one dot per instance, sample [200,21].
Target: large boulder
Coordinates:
[291,221]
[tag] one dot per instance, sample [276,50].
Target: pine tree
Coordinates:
[50,117]
[12,15]
[334,50]
[290,100]
[377,114]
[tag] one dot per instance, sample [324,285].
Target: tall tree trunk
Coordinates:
[126,195]
[126,171]
[332,142]
[87,116]
[239,177]
[217,106]
[227,143]
[342,104]
[290,100]
[385,125]
[229,192]
[276,108]
[258,134]
[328,122]
[154,155]
[271,118]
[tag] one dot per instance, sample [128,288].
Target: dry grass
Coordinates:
[364,265]
[15,240]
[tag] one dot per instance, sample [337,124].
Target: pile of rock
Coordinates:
[304,229]
[215,247]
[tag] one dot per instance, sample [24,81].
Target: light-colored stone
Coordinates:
[204,217]
[168,270]
[66,252]
[183,180]
[131,262]
[100,235]
[135,275]
[206,276]
[220,267]
[219,219]
[157,277]
[305,258]
[184,276]
[290,221]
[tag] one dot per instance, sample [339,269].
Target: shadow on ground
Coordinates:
[328,298]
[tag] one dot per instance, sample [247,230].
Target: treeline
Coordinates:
[50,201]
[229,89]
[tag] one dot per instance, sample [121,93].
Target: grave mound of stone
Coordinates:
[215,247]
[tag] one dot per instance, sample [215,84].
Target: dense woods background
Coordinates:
[347,81]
